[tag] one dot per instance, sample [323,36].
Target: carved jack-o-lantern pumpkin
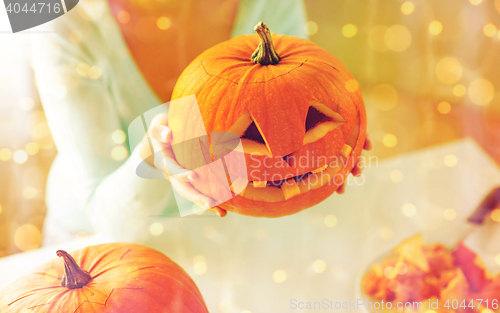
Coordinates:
[297,109]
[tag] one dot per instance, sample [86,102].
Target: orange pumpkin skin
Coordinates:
[125,278]
[227,84]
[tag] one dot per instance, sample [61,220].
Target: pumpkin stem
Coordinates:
[265,53]
[74,277]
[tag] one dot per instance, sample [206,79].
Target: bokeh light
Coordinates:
[200,264]
[397,38]
[349,30]
[0,209]
[331,220]
[119,153]
[27,237]
[408,209]
[384,97]
[20,156]
[163,23]
[396,176]
[30,192]
[475,2]
[5,154]
[450,160]
[497,259]
[489,30]
[389,140]
[444,107]
[449,214]
[459,90]
[31,148]
[95,72]
[123,17]
[156,229]
[118,136]
[401,268]
[448,70]
[319,266]
[390,272]
[481,91]
[435,27]
[311,28]
[279,276]
[407,7]
[83,69]
[495,215]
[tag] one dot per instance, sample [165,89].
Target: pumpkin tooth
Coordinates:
[319,170]
[239,185]
[260,184]
[290,189]
[345,151]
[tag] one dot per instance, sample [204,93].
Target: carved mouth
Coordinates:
[281,190]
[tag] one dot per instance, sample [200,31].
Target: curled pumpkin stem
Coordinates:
[265,53]
[74,277]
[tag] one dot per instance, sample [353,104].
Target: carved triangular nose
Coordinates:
[289,159]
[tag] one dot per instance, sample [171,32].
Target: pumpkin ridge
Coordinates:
[21,298]
[278,76]
[96,263]
[249,83]
[123,255]
[52,301]
[142,268]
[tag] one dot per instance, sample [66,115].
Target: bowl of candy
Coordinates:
[416,276]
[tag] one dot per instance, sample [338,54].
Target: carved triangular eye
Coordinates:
[253,133]
[320,120]
[251,137]
[314,117]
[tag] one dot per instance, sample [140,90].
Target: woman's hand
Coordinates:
[357,170]
[159,138]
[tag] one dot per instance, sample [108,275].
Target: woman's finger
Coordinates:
[161,133]
[159,119]
[341,189]
[368,144]
[357,170]
[187,191]
[174,169]
[219,211]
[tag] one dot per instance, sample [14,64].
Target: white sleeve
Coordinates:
[93,184]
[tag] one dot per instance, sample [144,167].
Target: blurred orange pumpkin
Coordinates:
[120,278]
[297,109]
